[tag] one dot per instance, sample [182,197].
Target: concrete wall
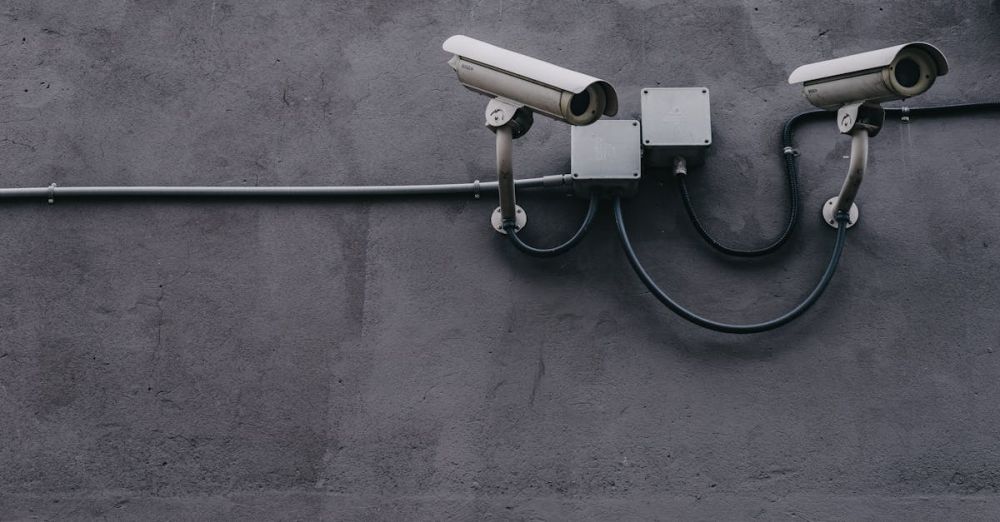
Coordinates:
[399,360]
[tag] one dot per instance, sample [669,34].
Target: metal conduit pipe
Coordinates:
[475,188]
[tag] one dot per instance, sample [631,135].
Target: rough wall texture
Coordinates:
[398,359]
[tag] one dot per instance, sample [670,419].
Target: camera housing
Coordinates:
[569,96]
[893,73]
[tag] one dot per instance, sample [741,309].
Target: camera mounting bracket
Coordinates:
[508,120]
[501,111]
[861,120]
[860,115]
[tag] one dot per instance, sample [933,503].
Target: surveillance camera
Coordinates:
[887,74]
[540,86]
[855,86]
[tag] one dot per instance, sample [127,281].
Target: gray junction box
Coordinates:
[606,156]
[675,122]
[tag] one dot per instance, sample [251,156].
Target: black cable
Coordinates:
[793,214]
[944,109]
[792,175]
[510,227]
[838,248]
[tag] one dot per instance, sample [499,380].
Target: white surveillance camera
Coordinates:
[540,86]
[855,86]
[887,74]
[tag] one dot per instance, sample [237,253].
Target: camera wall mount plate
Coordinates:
[520,219]
[830,213]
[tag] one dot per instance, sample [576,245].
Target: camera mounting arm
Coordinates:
[508,120]
[860,120]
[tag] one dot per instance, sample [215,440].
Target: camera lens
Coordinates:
[907,72]
[579,104]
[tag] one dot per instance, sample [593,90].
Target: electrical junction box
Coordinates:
[606,156]
[675,122]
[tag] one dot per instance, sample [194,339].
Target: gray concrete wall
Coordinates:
[399,360]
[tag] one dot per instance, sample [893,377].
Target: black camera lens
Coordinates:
[907,72]
[579,104]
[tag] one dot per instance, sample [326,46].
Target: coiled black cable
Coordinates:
[511,228]
[791,174]
[831,268]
